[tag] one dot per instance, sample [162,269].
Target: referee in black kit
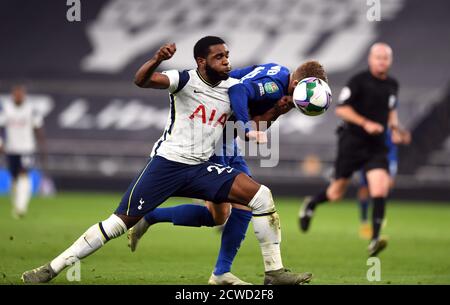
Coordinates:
[368,107]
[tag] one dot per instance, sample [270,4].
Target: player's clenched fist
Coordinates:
[166,52]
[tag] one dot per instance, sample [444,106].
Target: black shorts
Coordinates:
[359,152]
[19,163]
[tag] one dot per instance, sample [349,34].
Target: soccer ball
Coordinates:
[312,96]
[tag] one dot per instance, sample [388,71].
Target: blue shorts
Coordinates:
[162,178]
[238,163]
[19,163]
[232,158]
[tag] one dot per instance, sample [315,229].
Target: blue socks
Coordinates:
[364,206]
[232,237]
[190,215]
[196,216]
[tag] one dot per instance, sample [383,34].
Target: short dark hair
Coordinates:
[201,48]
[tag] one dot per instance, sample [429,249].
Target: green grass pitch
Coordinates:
[418,251]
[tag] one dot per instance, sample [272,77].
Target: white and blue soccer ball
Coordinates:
[312,96]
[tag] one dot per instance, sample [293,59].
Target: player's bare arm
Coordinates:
[281,107]
[399,135]
[348,114]
[284,105]
[146,77]
[40,136]
[259,135]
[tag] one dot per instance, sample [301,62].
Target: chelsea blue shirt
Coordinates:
[260,87]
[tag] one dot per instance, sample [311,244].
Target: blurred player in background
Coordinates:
[368,107]
[365,230]
[22,125]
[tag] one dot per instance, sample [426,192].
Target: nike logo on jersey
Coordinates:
[197,91]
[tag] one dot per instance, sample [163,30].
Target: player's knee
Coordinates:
[221,214]
[379,192]
[334,194]
[336,190]
[380,189]
[220,220]
[262,202]
[112,227]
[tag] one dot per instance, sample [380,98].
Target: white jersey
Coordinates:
[198,114]
[19,123]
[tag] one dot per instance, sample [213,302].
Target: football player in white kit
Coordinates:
[22,125]
[179,166]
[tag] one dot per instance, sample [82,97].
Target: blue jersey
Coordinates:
[260,87]
[231,157]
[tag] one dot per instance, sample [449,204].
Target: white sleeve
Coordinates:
[38,120]
[174,78]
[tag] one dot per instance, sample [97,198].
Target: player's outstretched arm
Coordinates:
[146,77]
[283,106]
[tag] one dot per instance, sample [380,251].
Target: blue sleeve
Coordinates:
[239,95]
[240,73]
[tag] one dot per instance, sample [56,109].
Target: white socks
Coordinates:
[266,224]
[268,232]
[21,194]
[92,240]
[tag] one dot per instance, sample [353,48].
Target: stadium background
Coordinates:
[100,127]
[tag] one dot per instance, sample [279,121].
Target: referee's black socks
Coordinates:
[379,204]
[318,199]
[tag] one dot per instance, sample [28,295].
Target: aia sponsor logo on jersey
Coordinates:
[213,117]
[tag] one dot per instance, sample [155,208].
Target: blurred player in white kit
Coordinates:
[21,126]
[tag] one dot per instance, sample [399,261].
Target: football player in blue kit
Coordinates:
[263,94]
[179,164]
